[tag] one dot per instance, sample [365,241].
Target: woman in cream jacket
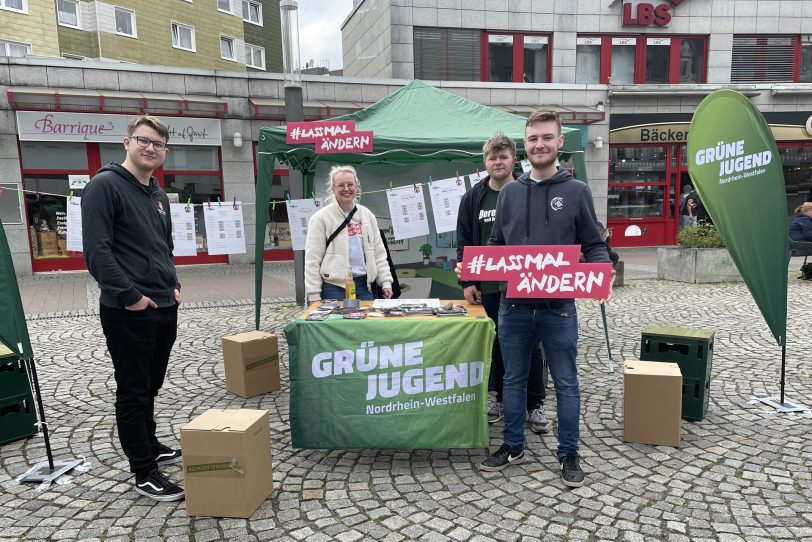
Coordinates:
[358,245]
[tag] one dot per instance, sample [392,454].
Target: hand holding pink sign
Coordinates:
[538,271]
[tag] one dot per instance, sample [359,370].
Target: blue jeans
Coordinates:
[520,328]
[331,291]
[536,393]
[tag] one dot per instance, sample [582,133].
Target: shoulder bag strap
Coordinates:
[341,227]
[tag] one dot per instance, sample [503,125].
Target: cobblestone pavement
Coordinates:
[743,473]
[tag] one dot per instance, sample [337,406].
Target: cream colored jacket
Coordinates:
[329,264]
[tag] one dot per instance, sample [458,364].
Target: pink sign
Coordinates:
[357,142]
[330,136]
[538,271]
[312,132]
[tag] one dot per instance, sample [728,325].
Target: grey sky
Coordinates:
[320,30]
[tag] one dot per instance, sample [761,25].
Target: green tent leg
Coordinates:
[263,197]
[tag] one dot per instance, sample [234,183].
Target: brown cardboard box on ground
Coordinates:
[227,467]
[652,402]
[62,244]
[47,243]
[251,363]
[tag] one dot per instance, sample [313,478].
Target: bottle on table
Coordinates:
[349,287]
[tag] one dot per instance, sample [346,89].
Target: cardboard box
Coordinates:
[251,362]
[34,241]
[47,242]
[652,402]
[227,462]
[62,245]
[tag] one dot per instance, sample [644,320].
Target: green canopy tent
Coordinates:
[417,124]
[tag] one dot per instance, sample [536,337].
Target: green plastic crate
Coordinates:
[18,418]
[690,348]
[695,396]
[13,379]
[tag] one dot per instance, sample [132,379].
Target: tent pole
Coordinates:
[783,368]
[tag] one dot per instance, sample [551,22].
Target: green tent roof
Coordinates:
[418,123]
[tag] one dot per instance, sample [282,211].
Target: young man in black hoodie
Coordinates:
[475,219]
[548,206]
[127,238]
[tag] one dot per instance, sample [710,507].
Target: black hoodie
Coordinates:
[556,211]
[127,238]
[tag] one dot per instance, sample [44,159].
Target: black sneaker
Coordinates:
[167,456]
[158,487]
[571,473]
[503,457]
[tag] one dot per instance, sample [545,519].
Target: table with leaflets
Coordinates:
[412,381]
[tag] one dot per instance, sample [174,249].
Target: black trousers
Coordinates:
[139,343]
[536,394]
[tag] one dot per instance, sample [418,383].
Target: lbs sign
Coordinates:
[636,13]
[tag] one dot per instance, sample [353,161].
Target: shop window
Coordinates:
[797,164]
[517,58]
[627,60]
[768,59]
[806,60]
[447,54]
[46,202]
[67,12]
[252,12]
[53,156]
[125,22]
[183,37]
[13,48]
[637,182]
[14,5]
[11,211]
[188,158]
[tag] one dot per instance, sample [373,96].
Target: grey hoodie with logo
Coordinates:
[556,211]
[127,238]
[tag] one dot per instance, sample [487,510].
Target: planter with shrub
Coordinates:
[700,257]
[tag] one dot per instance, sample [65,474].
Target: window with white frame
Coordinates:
[67,13]
[11,211]
[224,5]
[15,5]
[763,59]
[252,12]
[254,56]
[13,48]
[125,22]
[226,48]
[183,37]
[806,59]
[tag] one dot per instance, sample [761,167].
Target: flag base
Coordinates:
[42,472]
[784,408]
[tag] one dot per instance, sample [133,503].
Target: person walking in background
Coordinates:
[475,219]
[686,217]
[344,236]
[546,206]
[127,239]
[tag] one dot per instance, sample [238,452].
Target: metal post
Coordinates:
[294,112]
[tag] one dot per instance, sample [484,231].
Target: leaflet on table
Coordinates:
[224,228]
[183,230]
[407,208]
[399,303]
[299,213]
[445,202]
[74,219]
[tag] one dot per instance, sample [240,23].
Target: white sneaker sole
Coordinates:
[540,430]
[161,498]
[170,461]
[516,461]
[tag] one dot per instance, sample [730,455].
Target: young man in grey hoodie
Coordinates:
[546,206]
[127,239]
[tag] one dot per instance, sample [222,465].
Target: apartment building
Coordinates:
[216,34]
[644,64]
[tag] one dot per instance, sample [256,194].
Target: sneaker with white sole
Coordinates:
[496,411]
[167,456]
[571,473]
[538,423]
[503,457]
[158,487]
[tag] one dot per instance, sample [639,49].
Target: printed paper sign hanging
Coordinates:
[330,136]
[445,202]
[184,237]
[407,207]
[538,271]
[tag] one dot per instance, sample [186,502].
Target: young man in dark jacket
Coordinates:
[127,238]
[548,206]
[475,219]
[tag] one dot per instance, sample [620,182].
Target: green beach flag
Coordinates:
[13,329]
[736,170]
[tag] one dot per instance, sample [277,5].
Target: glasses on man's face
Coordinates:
[146,142]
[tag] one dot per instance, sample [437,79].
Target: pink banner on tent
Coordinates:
[355,142]
[538,271]
[313,132]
